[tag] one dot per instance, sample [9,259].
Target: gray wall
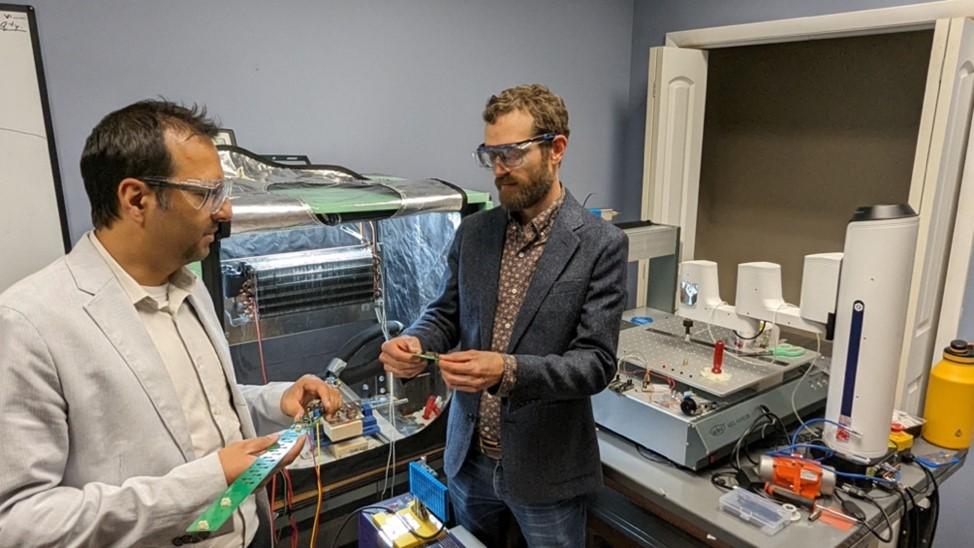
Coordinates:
[378,86]
[652,19]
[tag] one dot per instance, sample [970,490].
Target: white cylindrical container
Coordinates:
[874,287]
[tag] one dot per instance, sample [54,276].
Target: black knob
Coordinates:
[688,406]
[958,347]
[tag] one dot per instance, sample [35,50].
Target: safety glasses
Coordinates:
[510,155]
[199,193]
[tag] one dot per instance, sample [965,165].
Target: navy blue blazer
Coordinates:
[564,340]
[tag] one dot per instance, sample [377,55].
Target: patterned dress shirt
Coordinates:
[523,245]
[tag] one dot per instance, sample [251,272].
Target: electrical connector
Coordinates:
[853,510]
[854,490]
[748,478]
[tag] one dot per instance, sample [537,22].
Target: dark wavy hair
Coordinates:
[130,142]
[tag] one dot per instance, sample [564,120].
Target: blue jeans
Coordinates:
[482,505]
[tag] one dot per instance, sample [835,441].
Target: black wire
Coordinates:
[720,475]
[906,527]
[652,456]
[763,325]
[875,534]
[587,196]
[889,524]
[914,515]
[434,536]
[934,498]
[865,521]
[743,443]
[352,514]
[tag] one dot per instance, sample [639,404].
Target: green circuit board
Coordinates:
[226,504]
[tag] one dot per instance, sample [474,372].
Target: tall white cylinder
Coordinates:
[874,287]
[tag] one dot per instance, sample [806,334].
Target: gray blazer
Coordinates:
[95,450]
[564,340]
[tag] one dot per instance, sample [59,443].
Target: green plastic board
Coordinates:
[224,506]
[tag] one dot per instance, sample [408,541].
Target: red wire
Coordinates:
[289,488]
[668,380]
[260,342]
[273,500]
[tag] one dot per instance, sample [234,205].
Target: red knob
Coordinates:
[718,358]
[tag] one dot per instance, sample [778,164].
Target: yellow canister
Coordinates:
[949,407]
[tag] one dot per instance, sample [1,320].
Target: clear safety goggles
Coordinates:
[199,193]
[510,155]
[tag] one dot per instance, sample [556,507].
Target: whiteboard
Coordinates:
[33,224]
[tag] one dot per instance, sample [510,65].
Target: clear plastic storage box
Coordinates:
[769,516]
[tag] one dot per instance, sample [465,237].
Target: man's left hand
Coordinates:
[472,370]
[305,389]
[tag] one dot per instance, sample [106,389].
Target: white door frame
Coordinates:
[837,25]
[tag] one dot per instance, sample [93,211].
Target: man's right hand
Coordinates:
[398,356]
[238,456]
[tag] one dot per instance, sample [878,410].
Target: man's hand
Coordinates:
[472,370]
[305,389]
[238,456]
[398,357]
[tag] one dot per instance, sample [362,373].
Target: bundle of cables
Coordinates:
[918,524]
[741,475]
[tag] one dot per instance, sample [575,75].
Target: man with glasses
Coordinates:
[120,414]
[532,306]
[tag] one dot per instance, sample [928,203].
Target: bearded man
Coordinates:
[527,327]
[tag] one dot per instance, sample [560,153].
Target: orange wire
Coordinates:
[260,341]
[314,527]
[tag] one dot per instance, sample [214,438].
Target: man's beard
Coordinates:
[528,192]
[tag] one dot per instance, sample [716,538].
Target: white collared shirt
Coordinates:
[196,372]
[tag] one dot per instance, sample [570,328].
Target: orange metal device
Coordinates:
[804,478]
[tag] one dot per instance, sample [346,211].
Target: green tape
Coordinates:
[226,504]
[786,350]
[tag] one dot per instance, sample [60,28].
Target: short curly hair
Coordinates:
[547,109]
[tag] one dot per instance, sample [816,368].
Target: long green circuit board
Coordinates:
[224,506]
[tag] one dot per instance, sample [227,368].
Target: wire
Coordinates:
[314,460]
[380,314]
[789,451]
[260,339]
[353,513]
[289,507]
[718,479]
[863,477]
[756,335]
[416,533]
[273,500]
[813,365]
[805,425]
[865,522]
[934,498]
[710,320]
[914,516]
[646,370]
[742,442]
[651,455]
[906,522]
